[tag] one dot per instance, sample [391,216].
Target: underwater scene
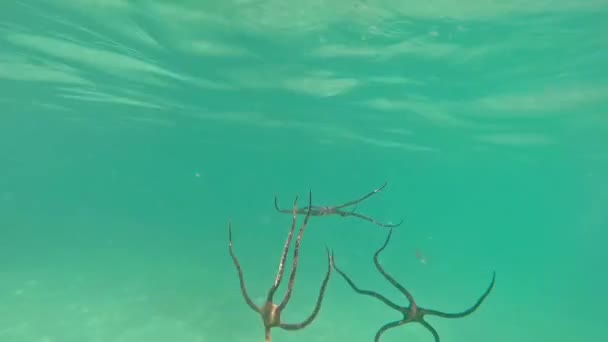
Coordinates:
[303,171]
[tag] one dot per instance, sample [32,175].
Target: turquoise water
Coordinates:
[133,131]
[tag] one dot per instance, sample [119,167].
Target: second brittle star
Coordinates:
[316,210]
[271,312]
[413,312]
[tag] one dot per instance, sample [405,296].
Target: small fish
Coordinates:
[420,257]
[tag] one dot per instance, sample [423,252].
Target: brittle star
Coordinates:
[413,312]
[316,210]
[271,312]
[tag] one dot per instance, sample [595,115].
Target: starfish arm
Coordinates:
[296,251]
[362,198]
[431,329]
[239,271]
[315,312]
[357,289]
[388,326]
[367,218]
[469,310]
[279,277]
[276,206]
[387,276]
